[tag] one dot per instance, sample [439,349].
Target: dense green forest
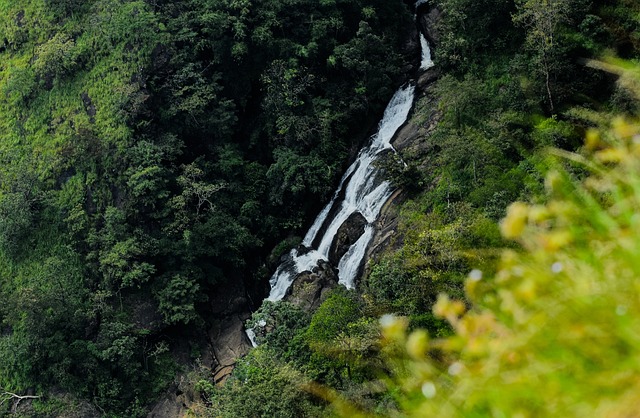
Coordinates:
[154,153]
[514,83]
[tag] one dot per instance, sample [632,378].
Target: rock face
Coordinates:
[309,289]
[428,23]
[227,339]
[170,406]
[386,229]
[427,78]
[411,48]
[226,342]
[347,235]
[73,407]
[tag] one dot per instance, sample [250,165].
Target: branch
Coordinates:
[15,397]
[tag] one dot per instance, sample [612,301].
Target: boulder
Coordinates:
[169,406]
[406,136]
[386,231]
[411,48]
[347,235]
[309,288]
[427,78]
[228,342]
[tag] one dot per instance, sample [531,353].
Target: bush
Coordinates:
[555,333]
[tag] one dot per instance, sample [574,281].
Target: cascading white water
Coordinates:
[350,262]
[252,337]
[426,53]
[426,61]
[364,193]
[251,333]
[317,224]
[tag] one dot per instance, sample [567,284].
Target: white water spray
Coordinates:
[426,62]
[251,333]
[364,193]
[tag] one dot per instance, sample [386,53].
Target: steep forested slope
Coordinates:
[514,81]
[153,152]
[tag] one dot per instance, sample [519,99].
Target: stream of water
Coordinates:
[426,62]
[360,190]
[364,192]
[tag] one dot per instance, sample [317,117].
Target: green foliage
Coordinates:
[472,31]
[484,153]
[153,152]
[263,387]
[341,341]
[333,316]
[437,252]
[543,21]
[55,58]
[16,218]
[177,300]
[572,282]
[275,323]
[335,346]
[402,175]
[293,175]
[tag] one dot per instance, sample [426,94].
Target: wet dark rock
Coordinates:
[428,23]
[411,48]
[406,136]
[347,235]
[309,289]
[228,342]
[302,249]
[427,78]
[386,231]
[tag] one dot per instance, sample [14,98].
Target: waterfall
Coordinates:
[426,61]
[350,262]
[426,53]
[252,335]
[365,193]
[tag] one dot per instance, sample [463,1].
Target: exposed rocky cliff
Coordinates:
[225,342]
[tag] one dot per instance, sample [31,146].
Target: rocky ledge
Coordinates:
[310,288]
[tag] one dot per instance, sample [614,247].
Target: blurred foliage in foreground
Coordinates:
[555,332]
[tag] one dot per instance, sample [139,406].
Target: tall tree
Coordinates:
[542,20]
